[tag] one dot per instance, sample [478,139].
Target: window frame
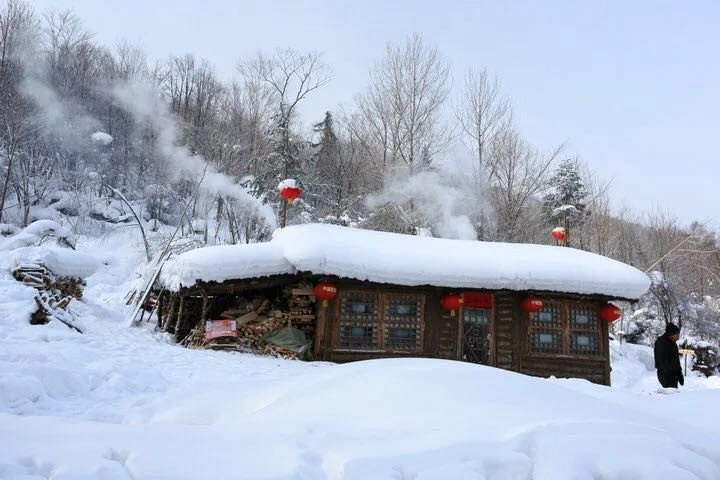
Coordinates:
[382,323]
[567,330]
[556,328]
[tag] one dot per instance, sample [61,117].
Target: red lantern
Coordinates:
[325,291]
[531,305]
[451,302]
[610,313]
[559,234]
[290,194]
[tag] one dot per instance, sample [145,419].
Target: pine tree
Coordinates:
[325,185]
[565,205]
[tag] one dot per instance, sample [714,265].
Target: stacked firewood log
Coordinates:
[258,317]
[54,294]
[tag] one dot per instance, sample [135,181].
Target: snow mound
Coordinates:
[411,260]
[101,138]
[60,261]
[35,233]
[380,419]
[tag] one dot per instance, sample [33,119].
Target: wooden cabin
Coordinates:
[532,309]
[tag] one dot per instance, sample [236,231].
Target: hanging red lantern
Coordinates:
[610,312]
[325,291]
[289,190]
[451,302]
[531,305]
[559,234]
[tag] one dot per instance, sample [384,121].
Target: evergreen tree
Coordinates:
[565,205]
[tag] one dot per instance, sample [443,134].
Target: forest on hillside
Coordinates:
[91,133]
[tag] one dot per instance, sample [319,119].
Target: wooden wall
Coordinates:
[443,336]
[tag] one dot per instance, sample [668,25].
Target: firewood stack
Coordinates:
[54,294]
[256,318]
[51,306]
[301,310]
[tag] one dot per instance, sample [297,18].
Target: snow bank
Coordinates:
[252,418]
[411,260]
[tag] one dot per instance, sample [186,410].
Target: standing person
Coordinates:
[667,358]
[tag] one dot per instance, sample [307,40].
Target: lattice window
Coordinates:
[565,328]
[403,321]
[546,329]
[359,320]
[584,329]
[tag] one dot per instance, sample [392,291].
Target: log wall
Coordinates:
[443,336]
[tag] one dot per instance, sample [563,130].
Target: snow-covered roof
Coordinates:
[409,260]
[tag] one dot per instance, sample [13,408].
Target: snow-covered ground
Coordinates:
[124,403]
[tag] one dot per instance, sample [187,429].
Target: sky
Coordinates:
[631,87]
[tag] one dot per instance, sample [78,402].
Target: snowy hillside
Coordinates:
[120,403]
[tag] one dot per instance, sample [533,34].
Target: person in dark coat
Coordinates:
[667,358]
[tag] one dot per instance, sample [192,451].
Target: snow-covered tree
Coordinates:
[565,204]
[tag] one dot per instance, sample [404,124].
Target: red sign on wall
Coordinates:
[478,300]
[220,328]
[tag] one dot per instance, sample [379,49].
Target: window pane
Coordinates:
[480,316]
[583,317]
[584,343]
[402,337]
[358,307]
[546,338]
[547,342]
[548,317]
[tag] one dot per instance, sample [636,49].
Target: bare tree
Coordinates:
[482,113]
[291,76]
[519,176]
[18,29]
[403,103]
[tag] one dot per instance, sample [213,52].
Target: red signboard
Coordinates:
[478,300]
[220,328]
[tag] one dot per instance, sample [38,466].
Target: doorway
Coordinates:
[476,335]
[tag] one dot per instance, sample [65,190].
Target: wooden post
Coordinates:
[181,312]
[160,305]
[170,314]
[205,307]
[283,215]
[320,321]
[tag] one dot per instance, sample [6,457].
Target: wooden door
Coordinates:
[476,335]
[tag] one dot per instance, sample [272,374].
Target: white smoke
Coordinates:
[147,107]
[67,122]
[436,199]
[60,118]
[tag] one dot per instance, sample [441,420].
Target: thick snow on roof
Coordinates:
[410,260]
[226,262]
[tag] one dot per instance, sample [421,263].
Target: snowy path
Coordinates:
[119,403]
